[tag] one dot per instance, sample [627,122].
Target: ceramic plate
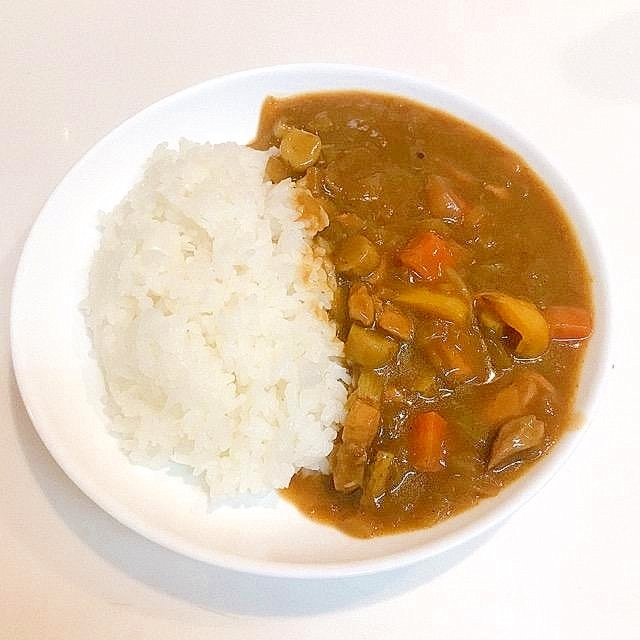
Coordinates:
[61,384]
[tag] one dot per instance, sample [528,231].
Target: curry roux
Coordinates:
[375,174]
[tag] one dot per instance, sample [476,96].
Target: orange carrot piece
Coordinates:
[568,323]
[427,255]
[427,446]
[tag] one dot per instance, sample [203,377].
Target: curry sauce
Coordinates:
[462,297]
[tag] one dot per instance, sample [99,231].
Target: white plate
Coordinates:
[61,385]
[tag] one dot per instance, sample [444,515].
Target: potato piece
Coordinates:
[299,148]
[369,348]
[370,386]
[276,169]
[356,255]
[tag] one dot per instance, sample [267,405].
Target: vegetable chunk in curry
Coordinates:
[463,301]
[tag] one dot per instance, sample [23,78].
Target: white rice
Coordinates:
[207,310]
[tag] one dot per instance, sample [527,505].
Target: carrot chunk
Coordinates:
[568,323]
[427,447]
[427,255]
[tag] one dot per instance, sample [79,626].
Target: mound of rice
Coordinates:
[207,308]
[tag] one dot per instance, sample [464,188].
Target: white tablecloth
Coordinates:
[567,74]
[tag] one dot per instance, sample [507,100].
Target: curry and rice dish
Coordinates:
[374,308]
[463,301]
